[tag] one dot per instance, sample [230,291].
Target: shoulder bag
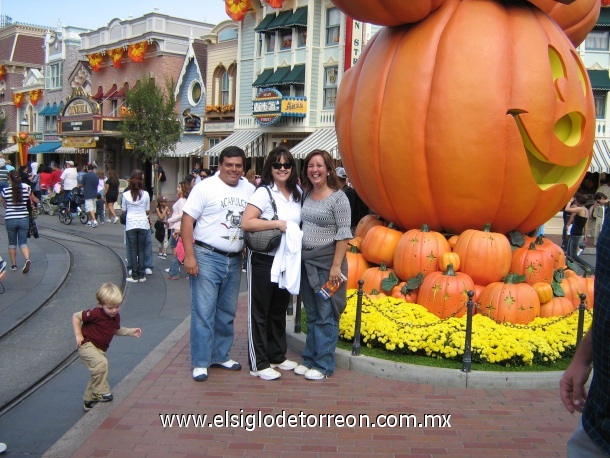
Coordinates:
[267,240]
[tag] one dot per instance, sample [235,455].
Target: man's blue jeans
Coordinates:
[148,254]
[137,250]
[214,293]
[322,329]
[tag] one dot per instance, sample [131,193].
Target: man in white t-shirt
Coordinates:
[68,179]
[213,259]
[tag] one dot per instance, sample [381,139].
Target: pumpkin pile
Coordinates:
[511,284]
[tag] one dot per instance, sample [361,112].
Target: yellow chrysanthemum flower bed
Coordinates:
[395,325]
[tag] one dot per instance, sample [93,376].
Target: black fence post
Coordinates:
[467,359]
[581,317]
[297,316]
[356,344]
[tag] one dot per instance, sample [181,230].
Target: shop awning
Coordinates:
[298,19]
[324,139]
[186,148]
[251,141]
[111,92]
[296,75]
[55,109]
[70,150]
[277,77]
[260,81]
[604,17]
[99,95]
[262,27]
[11,149]
[44,147]
[280,21]
[601,156]
[599,80]
[45,111]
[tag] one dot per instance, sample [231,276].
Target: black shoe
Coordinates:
[102,397]
[88,405]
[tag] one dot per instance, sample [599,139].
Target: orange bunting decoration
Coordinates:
[237,9]
[95,60]
[137,51]
[2,72]
[18,99]
[35,96]
[275,3]
[116,55]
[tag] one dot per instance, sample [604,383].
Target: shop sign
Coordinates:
[79,106]
[79,142]
[51,138]
[267,107]
[85,125]
[356,41]
[218,127]
[295,107]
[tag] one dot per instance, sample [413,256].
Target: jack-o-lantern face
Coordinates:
[480,113]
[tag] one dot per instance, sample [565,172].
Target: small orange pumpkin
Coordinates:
[444,293]
[512,300]
[590,282]
[356,266]
[401,291]
[484,255]
[558,306]
[367,223]
[380,243]
[373,276]
[356,241]
[536,265]
[375,295]
[544,291]
[418,251]
[453,241]
[449,258]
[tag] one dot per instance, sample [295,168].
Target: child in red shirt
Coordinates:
[94,330]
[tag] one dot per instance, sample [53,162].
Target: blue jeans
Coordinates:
[17,232]
[322,329]
[174,269]
[137,249]
[214,293]
[148,255]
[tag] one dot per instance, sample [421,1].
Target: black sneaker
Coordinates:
[88,405]
[103,397]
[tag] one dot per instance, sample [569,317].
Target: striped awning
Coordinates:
[251,141]
[601,157]
[324,139]
[186,148]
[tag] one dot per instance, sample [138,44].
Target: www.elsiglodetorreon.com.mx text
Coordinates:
[253,421]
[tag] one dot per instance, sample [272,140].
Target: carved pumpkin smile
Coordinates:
[568,131]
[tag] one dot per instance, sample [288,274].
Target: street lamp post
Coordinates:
[23,142]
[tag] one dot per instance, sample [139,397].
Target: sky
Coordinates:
[90,14]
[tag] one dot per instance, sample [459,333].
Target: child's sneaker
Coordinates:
[88,405]
[102,397]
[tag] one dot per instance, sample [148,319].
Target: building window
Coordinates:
[270,42]
[194,94]
[600,104]
[299,90]
[301,36]
[330,86]
[286,42]
[214,141]
[227,34]
[333,21]
[52,79]
[597,40]
[225,88]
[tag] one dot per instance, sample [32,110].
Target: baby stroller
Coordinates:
[73,208]
[49,204]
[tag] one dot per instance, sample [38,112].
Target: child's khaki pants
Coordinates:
[96,362]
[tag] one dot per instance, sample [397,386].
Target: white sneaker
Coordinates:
[314,374]
[167,270]
[88,223]
[266,374]
[579,252]
[301,370]
[142,280]
[287,365]
[200,374]
[148,271]
[131,280]
[115,219]
[129,272]
[94,224]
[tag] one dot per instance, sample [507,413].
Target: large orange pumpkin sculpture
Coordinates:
[484,104]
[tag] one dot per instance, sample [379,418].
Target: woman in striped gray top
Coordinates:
[326,218]
[15,199]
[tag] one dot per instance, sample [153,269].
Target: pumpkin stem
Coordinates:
[374,292]
[390,226]
[450,271]
[588,273]
[354,249]
[513,279]
[382,266]
[540,240]
[487,227]
[425,228]
[532,246]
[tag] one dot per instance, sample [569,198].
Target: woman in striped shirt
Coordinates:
[15,199]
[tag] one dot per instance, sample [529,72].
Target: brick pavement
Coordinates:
[483,422]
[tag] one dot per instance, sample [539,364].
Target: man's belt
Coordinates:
[228,254]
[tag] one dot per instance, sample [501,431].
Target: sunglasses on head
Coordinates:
[279,165]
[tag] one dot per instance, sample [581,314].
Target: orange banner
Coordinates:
[18,99]
[116,55]
[137,51]
[95,60]
[2,72]
[237,9]
[275,3]
[35,96]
